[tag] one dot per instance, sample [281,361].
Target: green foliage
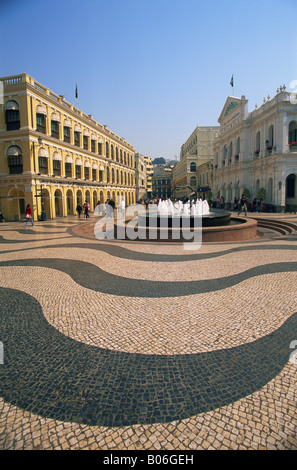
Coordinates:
[246,193]
[159,161]
[262,194]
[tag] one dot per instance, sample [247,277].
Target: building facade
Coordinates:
[256,152]
[192,174]
[140,177]
[149,175]
[54,156]
[162,182]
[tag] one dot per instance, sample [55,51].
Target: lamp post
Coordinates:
[39,191]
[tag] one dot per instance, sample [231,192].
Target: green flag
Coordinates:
[231,81]
[76,92]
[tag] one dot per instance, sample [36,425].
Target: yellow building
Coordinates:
[54,156]
[140,177]
[149,174]
[192,174]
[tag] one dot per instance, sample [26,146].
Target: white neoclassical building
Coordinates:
[258,149]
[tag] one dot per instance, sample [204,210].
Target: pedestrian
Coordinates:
[254,205]
[259,206]
[243,206]
[86,207]
[79,209]
[222,202]
[29,216]
[235,204]
[1,217]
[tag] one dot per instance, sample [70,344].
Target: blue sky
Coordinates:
[152,70]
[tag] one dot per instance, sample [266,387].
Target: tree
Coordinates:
[246,193]
[159,161]
[262,194]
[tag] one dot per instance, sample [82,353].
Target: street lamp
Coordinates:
[39,191]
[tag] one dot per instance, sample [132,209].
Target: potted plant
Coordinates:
[293,146]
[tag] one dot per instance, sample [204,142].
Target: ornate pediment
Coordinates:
[230,106]
[231,109]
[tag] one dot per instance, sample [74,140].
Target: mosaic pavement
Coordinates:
[116,345]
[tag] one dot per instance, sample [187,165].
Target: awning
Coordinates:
[78,162]
[67,123]
[100,140]
[11,106]
[77,128]
[68,159]
[87,164]
[43,153]
[57,156]
[86,132]
[101,168]
[55,117]
[14,151]
[95,166]
[40,110]
[94,137]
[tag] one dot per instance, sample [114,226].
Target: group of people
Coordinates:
[109,207]
[83,208]
[240,205]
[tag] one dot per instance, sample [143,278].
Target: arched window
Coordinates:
[290,186]
[238,146]
[292,132]
[107,174]
[258,141]
[270,190]
[41,119]
[15,160]
[12,115]
[193,181]
[107,149]
[271,136]
[55,124]
[193,167]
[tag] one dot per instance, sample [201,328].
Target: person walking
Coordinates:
[78,209]
[29,216]
[243,206]
[259,206]
[86,207]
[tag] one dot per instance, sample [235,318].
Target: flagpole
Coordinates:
[76,94]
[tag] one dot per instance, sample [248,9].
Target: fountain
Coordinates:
[176,222]
[172,213]
[168,218]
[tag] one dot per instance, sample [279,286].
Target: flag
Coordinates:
[231,81]
[76,92]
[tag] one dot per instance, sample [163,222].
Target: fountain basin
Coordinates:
[213,218]
[234,229]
